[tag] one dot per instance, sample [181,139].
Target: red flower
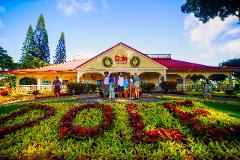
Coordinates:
[153,133]
[83,131]
[139,125]
[63,132]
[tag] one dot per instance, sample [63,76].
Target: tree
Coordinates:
[233,63]
[6,62]
[41,40]
[28,49]
[209,9]
[218,78]
[60,55]
[194,78]
[33,62]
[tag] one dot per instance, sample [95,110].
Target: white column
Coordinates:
[79,74]
[38,83]
[184,82]
[165,76]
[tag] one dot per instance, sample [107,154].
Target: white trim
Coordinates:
[106,69]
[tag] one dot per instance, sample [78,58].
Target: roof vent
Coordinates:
[160,56]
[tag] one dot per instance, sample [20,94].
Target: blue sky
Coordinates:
[91,26]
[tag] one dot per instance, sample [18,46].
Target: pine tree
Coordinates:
[41,40]
[28,49]
[60,55]
[6,62]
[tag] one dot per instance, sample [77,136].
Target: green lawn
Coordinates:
[42,141]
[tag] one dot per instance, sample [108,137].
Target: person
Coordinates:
[120,85]
[106,85]
[131,88]
[57,85]
[205,91]
[111,86]
[136,85]
[126,86]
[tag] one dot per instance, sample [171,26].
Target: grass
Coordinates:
[231,108]
[42,141]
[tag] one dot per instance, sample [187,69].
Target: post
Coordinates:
[184,82]
[230,81]
[38,83]
[17,83]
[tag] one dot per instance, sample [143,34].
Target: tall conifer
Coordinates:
[60,54]
[41,40]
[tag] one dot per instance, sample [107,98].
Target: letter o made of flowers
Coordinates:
[68,130]
[107,62]
[48,112]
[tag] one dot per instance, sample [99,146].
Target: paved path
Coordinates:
[90,98]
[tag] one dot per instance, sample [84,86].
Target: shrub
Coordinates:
[35,92]
[168,86]
[93,87]
[4,93]
[229,92]
[80,88]
[147,87]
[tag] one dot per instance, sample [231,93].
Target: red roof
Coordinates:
[68,66]
[173,64]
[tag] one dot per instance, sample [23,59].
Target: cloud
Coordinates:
[2,9]
[232,47]
[71,7]
[233,32]
[213,38]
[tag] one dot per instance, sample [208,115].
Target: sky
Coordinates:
[92,26]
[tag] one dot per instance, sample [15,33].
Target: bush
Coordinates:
[229,92]
[35,92]
[147,87]
[4,93]
[80,88]
[168,86]
[93,87]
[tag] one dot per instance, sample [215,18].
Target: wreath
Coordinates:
[135,61]
[107,62]
[80,133]
[48,112]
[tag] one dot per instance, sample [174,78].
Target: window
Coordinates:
[46,82]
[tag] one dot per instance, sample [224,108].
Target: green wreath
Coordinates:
[135,61]
[107,62]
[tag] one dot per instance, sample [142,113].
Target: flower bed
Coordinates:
[6,130]
[81,133]
[152,136]
[207,132]
[145,130]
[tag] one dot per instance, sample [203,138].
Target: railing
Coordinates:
[29,88]
[167,56]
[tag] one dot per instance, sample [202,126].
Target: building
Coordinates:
[153,68]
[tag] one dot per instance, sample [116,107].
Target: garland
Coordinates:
[6,130]
[67,129]
[207,132]
[135,61]
[107,61]
[152,136]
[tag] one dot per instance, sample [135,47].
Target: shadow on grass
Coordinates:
[12,107]
[231,108]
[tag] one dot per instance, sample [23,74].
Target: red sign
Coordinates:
[121,60]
